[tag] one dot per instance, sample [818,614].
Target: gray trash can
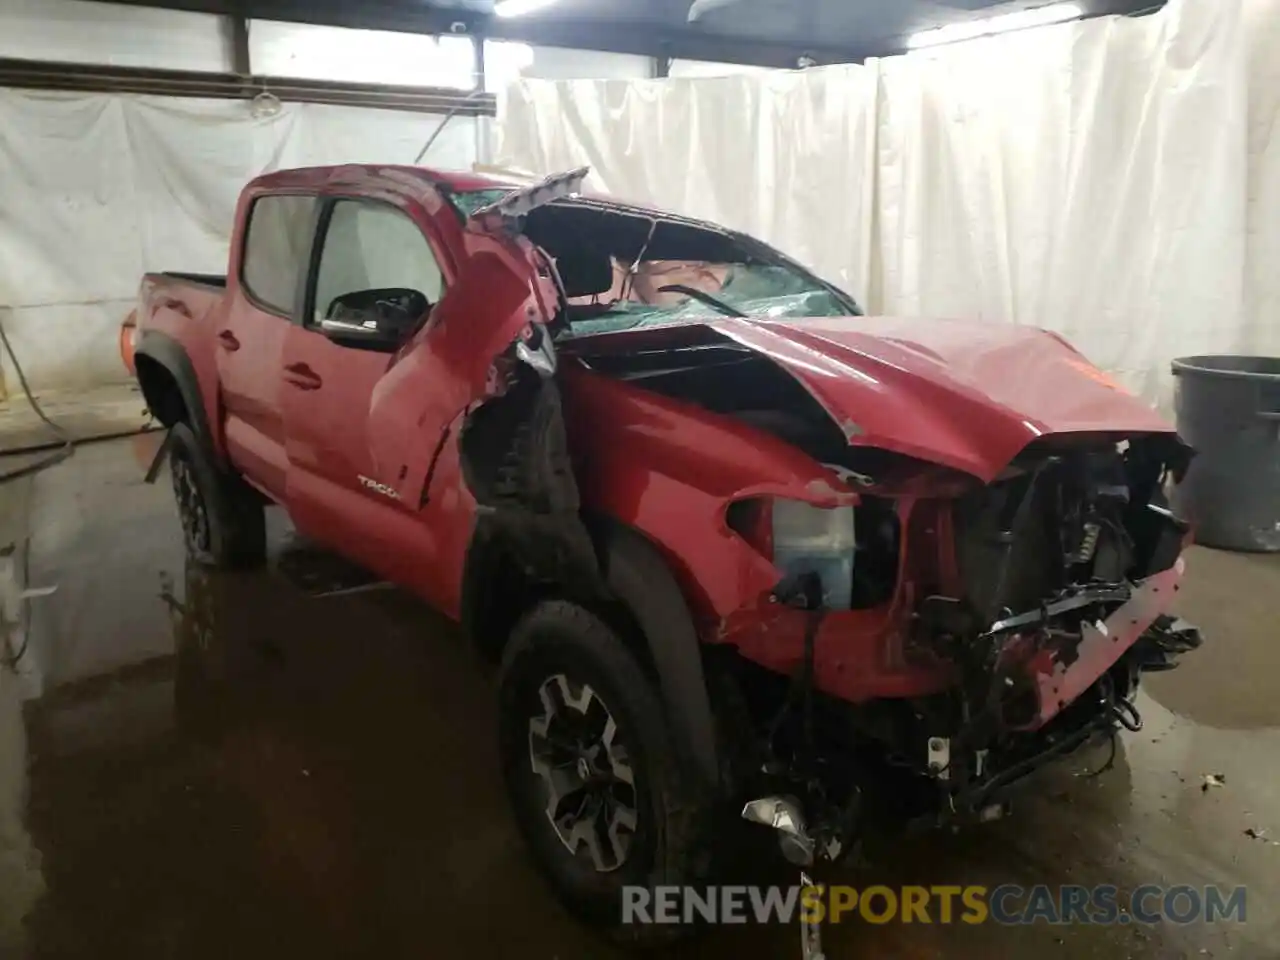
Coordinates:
[1229,410]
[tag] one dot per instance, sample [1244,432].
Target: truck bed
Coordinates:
[169,299]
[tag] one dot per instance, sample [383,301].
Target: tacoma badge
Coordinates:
[381,488]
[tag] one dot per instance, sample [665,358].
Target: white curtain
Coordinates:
[97,189]
[1261,332]
[1116,180]
[774,154]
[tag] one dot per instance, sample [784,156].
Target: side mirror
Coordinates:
[375,319]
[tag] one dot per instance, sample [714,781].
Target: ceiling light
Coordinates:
[518,8]
[971,29]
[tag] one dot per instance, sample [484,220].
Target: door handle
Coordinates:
[228,340]
[302,376]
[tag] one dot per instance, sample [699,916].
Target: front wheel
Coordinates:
[594,782]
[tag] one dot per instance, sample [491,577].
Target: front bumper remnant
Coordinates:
[1062,676]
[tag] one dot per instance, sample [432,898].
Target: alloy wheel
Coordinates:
[192,511]
[575,748]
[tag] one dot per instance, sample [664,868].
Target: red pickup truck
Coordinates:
[731,542]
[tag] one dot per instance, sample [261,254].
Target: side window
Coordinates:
[275,247]
[373,247]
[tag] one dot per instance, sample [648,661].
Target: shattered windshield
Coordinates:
[624,267]
[645,295]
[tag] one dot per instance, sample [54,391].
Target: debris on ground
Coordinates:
[1255,834]
[1213,780]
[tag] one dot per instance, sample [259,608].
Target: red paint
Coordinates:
[965,394]
[305,420]
[1058,685]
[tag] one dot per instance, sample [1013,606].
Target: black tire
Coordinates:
[669,845]
[223,520]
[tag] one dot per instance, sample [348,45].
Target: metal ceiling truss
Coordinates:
[663,43]
[675,41]
[616,36]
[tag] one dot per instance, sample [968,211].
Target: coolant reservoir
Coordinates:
[808,539]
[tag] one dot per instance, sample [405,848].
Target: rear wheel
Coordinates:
[592,776]
[223,521]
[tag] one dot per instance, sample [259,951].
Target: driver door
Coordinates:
[335,493]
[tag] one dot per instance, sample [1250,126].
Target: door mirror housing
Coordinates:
[380,319]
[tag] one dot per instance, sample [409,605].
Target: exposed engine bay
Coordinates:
[1054,613]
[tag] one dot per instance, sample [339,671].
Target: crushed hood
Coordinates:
[968,395]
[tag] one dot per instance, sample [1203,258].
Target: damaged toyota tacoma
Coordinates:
[735,548]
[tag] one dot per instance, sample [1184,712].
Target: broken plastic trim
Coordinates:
[1082,598]
[521,202]
[514,449]
[514,454]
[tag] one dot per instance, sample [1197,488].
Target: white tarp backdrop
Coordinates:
[785,156]
[1262,253]
[97,189]
[1116,180]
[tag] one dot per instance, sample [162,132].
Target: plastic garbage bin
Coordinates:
[1229,410]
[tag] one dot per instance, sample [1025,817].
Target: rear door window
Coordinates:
[277,241]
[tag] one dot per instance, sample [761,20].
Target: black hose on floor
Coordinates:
[63,452]
[10,658]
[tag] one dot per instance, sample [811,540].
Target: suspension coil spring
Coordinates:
[1089,544]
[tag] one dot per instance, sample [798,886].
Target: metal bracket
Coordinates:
[157,462]
[520,202]
[939,757]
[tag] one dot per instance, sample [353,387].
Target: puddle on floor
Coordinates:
[229,764]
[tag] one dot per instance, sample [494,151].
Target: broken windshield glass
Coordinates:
[625,267]
[752,289]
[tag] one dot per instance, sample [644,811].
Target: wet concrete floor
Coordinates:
[213,765]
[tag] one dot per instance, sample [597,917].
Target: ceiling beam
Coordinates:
[238,28]
[617,36]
